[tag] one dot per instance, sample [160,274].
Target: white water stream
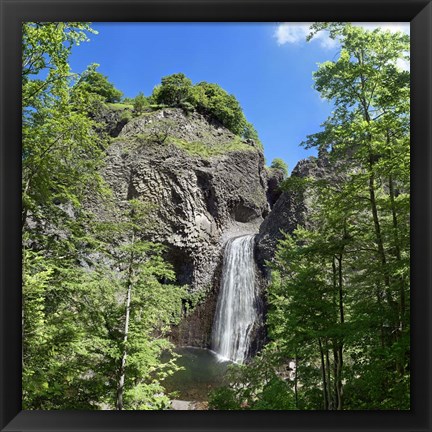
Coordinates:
[236,306]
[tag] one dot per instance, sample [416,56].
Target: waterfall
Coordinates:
[236,306]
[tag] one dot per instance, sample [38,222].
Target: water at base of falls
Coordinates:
[236,311]
[201,373]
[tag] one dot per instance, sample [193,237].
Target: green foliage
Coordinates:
[155,304]
[94,82]
[84,279]
[296,184]
[277,394]
[46,47]
[194,299]
[120,106]
[126,116]
[208,99]
[256,386]
[250,132]
[340,290]
[124,109]
[159,132]
[60,147]
[212,100]
[174,89]
[99,300]
[75,320]
[339,294]
[140,103]
[55,346]
[225,399]
[279,164]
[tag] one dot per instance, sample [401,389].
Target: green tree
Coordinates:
[149,304]
[94,82]
[305,300]
[208,99]
[56,346]
[46,48]
[98,300]
[256,386]
[355,248]
[212,100]
[339,295]
[60,155]
[371,125]
[251,133]
[60,147]
[140,102]
[279,164]
[94,332]
[174,90]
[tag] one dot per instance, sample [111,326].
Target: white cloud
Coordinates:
[325,40]
[294,33]
[403,64]
[390,26]
[291,32]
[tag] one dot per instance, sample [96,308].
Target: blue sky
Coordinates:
[267,66]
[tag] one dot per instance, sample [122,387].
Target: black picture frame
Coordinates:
[13,12]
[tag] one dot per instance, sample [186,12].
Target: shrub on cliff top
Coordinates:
[208,99]
[94,82]
[174,90]
[212,100]
[279,164]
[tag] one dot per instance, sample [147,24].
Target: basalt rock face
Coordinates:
[274,179]
[200,200]
[111,121]
[206,186]
[289,211]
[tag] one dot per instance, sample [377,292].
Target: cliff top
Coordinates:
[192,132]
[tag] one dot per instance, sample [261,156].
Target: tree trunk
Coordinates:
[338,377]
[296,383]
[393,305]
[377,226]
[378,297]
[372,197]
[324,380]
[330,398]
[402,300]
[120,387]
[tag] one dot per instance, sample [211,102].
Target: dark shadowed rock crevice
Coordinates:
[274,179]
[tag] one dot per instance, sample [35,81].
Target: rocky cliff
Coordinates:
[206,184]
[290,209]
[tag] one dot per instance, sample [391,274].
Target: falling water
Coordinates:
[236,306]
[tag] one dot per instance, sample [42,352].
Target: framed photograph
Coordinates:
[218,207]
